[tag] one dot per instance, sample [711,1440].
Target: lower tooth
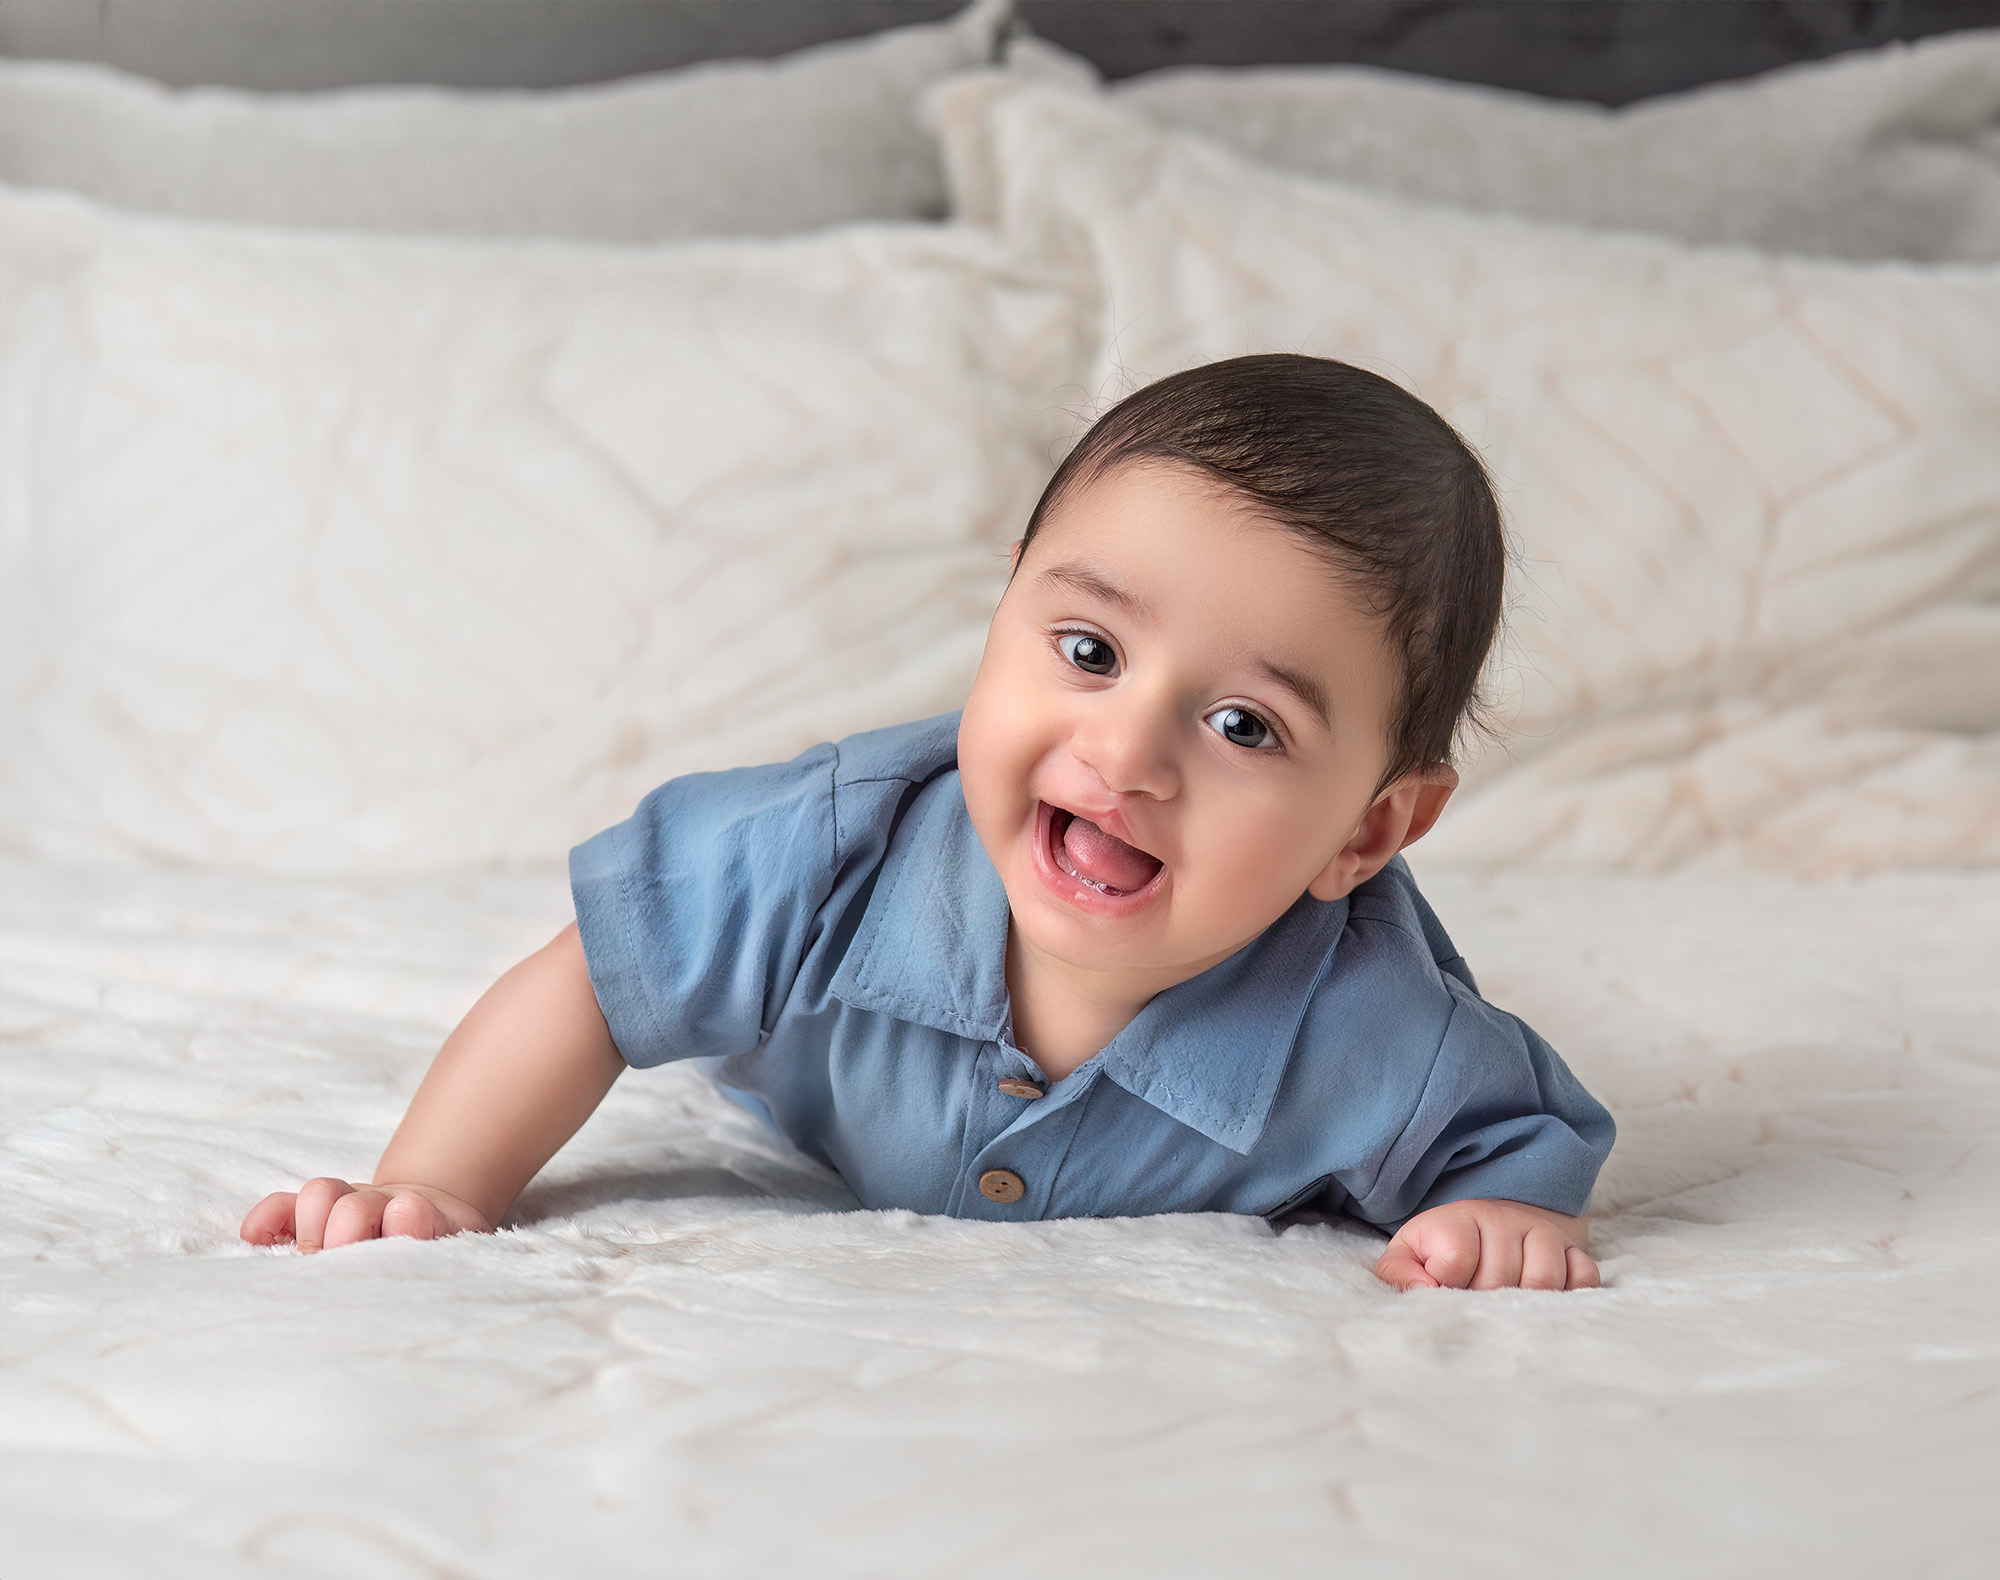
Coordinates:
[1068,865]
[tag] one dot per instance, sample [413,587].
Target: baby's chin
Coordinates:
[1152,952]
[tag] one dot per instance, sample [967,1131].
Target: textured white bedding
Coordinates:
[675,1364]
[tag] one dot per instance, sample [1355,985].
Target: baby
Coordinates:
[1130,934]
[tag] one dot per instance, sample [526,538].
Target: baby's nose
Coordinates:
[1132,750]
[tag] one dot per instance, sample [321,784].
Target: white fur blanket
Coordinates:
[675,1362]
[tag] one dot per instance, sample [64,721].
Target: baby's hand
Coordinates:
[324,1213]
[1488,1245]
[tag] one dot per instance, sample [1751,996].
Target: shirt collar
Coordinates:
[1209,1052]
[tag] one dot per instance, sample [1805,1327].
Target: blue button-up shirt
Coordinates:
[831,930]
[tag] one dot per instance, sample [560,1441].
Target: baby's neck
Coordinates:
[1062,1015]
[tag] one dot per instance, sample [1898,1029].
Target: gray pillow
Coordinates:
[739,148]
[1889,153]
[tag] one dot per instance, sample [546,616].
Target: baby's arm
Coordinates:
[1489,1245]
[523,1070]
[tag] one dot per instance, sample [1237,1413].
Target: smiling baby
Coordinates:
[1129,935]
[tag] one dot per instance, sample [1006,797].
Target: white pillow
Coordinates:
[1756,501]
[738,148]
[343,554]
[1889,153]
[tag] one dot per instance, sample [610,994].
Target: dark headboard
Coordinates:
[1612,51]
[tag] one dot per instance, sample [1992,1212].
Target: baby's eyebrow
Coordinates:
[1081,578]
[1302,686]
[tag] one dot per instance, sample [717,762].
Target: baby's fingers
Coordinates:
[1451,1252]
[414,1214]
[355,1216]
[316,1201]
[1398,1266]
[270,1221]
[1431,1256]
[1544,1260]
[1582,1270]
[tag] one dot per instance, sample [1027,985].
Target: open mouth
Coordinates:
[1095,859]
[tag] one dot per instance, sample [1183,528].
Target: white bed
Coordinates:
[685,1357]
[348,578]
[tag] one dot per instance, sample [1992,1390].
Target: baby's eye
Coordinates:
[1090,654]
[1241,727]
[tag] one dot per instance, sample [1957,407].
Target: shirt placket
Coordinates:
[1014,1142]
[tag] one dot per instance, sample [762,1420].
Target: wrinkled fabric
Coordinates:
[361,555]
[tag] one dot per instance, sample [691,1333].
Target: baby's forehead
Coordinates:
[1130,525]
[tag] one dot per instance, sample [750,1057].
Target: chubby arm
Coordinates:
[517,1078]
[1489,1245]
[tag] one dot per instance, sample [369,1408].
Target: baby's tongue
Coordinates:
[1106,859]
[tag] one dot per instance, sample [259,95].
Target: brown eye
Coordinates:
[1241,727]
[1090,654]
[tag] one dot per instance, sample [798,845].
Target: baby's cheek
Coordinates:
[1218,911]
[1251,864]
[982,779]
[993,777]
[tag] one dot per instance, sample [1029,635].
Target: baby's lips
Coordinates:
[1109,819]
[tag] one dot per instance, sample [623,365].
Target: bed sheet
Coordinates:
[684,1356]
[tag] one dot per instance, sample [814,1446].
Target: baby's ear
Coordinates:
[1402,814]
[1438,782]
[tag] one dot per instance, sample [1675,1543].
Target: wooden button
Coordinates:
[1014,1086]
[1001,1185]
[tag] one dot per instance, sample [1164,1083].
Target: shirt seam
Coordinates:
[1430,1076]
[829,880]
[1417,934]
[833,806]
[836,784]
[1403,927]
[629,966]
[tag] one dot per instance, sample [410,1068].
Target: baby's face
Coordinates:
[1179,721]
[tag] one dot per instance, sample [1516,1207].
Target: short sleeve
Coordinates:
[697,911]
[1500,1118]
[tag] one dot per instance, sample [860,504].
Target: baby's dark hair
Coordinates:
[1370,476]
